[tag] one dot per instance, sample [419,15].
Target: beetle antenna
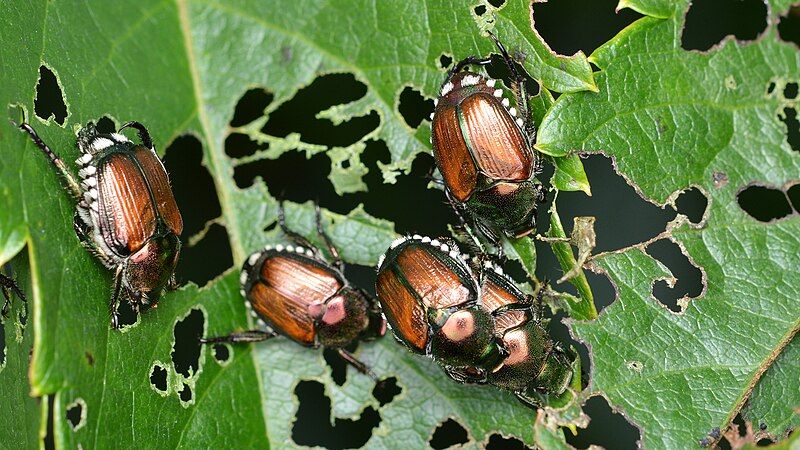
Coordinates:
[144,135]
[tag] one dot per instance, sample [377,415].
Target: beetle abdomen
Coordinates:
[127,218]
[473,132]
[282,286]
[451,153]
[402,310]
[157,179]
[496,142]
[417,275]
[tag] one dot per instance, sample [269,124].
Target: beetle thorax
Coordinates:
[341,319]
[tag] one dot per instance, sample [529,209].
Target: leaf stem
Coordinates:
[584,309]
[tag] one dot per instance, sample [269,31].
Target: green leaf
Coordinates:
[21,412]
[180,67]
[775,400]
[672,119]
[562,248]
[569,174]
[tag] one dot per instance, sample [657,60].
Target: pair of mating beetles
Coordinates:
[472,320]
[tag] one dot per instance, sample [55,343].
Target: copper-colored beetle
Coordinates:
[484,151]
[292,290]
[470,318]
[126,214]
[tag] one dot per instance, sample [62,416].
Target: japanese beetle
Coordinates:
[126,214]
[533,364]
[470,317]
[485,152]
[8,287]
[292,290]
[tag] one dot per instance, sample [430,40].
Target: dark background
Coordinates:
[623,218]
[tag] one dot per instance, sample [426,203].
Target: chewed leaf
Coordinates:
[671,119]
[569,174]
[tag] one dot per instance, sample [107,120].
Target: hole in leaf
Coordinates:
[386,390]
[48,440]
[197,199]
[789,26]
[251,106]
[208,258]
[106,125]
[49,100]
[480,10]
[770,87]
[337,364]
[186,348]
[763,203]
[603,419]
[298,115]
[127,316]
[794,196]
[591,23]
[789,118]
[692,204]
[498,69]
[708,22]
[448,434]
[499,442]
[76,415]
[238,145]
[361,276]
[790,91]
[313,427]
[185,394]
[89,358]
[445,61]
[158,377]
[497,3]
[414,107]
[298,179]
[222,353]
[689,278]
[191,183]
[623,217]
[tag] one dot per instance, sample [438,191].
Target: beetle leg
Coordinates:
[72,185]
[463,224]
[538,302]
[461,375]
[358,365]
[520,89]
[244,336]
[8,286]
[172,284]
[492,237]
[527,400]
[113,306]
[144,135]
[468,61]
[295,237]
[337,261]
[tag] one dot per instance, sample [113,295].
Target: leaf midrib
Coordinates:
[214,168]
